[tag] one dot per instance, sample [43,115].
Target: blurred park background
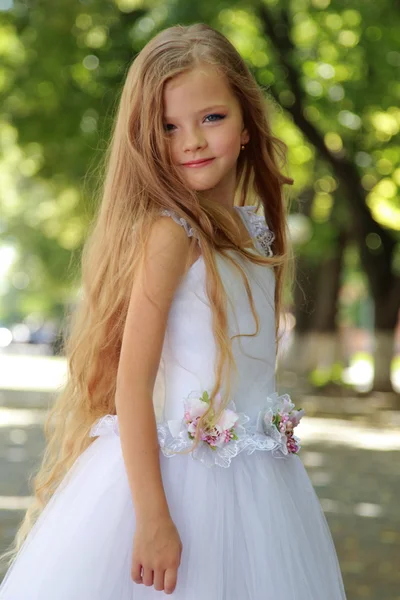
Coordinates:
[331,69]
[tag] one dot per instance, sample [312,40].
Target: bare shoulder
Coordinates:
[167,248]
[168,231]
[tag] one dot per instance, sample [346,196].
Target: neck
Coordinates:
[223,193]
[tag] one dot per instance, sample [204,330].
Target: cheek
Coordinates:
[228,143]
[174,148]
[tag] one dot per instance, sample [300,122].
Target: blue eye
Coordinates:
[219,117]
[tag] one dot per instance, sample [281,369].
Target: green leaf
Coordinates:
[205,397]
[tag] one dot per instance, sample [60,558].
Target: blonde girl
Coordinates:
[172,465]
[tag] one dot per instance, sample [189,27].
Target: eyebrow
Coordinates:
[203,110]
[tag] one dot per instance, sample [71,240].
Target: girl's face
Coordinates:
[203,122]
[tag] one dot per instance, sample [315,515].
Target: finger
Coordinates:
[170,580]
[148,576]
[136,572]
[159,579]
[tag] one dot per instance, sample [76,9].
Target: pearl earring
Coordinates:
[242,147]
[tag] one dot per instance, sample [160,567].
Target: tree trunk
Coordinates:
[383,358]
[315,342]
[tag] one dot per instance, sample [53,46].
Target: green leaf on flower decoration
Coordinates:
[205,397]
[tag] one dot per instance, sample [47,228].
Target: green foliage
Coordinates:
[61,70]
[322,377]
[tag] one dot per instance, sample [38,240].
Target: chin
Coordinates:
[199,186]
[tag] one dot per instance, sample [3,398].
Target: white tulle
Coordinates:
[252,530]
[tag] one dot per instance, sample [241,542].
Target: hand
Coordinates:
[157,550]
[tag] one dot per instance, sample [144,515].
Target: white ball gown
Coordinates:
[251,525]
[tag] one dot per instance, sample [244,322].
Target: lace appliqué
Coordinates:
[105,425]
[262,436]
[181,221]
[259,229]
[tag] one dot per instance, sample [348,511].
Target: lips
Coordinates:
[198,163]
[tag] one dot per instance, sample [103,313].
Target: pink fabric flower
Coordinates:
[196,408]
[296,415]
[218,435]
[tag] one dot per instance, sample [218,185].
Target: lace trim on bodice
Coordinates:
[181,221]
[256,225]
[258,229]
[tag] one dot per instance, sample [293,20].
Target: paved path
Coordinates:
[353,466]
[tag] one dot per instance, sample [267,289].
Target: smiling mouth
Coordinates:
[198,163]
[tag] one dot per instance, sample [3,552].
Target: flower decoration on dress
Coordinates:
[219,442]
[215,435]
[277,421]
[271,430]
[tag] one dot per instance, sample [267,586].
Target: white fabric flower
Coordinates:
[228,419]
[195,407]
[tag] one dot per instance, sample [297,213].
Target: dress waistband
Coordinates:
[233,433]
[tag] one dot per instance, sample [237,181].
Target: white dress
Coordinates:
[251,525]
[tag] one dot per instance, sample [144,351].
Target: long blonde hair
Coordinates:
[140,179]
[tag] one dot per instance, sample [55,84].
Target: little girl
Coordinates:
[171,465]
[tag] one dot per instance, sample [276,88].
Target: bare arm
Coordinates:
[151,297]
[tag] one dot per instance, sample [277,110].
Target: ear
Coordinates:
[244,136]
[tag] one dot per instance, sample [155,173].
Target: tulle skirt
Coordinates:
[253,531]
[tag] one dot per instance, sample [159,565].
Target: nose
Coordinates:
[193,140]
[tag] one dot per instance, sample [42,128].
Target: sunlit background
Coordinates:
[331,70]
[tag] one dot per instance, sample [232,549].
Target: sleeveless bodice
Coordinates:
[189,350]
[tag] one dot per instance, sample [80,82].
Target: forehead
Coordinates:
[194,90]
